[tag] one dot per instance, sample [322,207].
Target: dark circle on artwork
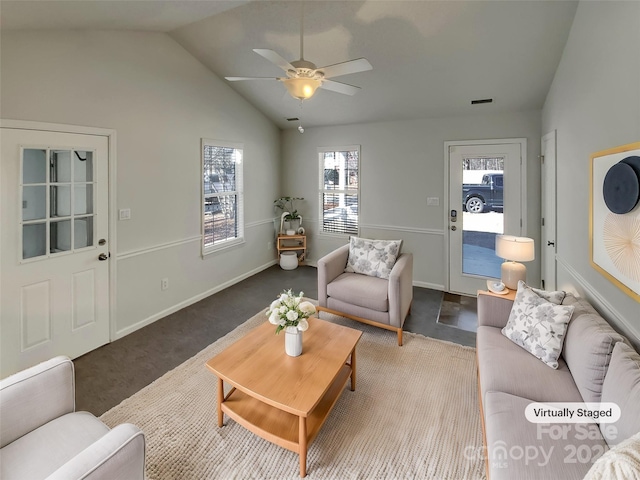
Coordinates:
[634,161]
[621,188]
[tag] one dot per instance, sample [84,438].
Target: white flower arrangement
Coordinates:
[288,310]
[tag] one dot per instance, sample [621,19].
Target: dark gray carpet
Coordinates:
[108,375]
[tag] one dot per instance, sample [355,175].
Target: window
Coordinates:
[222,215]
[339,189]
[57,201]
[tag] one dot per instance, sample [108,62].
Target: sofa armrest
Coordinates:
[493,311]
[400,289]
[119,455]
[329,268]
[35,396]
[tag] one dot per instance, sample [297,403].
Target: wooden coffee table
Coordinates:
[284,399]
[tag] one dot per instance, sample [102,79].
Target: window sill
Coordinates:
[222,246]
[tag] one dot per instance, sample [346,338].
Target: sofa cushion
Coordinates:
[372,257]
[45,449]
[537,325]
[622,461]
[506,367]
[587,348]
[622,387]
[361,290]
[519,449]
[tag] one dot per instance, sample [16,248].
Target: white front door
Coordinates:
[54,285]
[548,237]
[485,200]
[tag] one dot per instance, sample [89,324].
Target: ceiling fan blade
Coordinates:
[339,87]
[273,57]
[346,68]
[236,79]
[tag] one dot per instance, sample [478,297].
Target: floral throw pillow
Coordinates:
[553,297]
[375,258]
[537,325]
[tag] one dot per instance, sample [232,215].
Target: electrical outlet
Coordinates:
[164,284]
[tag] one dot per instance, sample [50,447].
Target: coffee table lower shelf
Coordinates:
[285,429]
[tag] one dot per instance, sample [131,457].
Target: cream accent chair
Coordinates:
[376,301]
[43,437]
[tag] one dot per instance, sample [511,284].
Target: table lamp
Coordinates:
[514,250]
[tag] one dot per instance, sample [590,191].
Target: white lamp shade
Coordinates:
[301,87]
[519,249]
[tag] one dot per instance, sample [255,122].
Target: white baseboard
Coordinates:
[432,286]
[190,301]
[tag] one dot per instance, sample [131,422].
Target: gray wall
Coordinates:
[593,104]
[402,163]
[161,101]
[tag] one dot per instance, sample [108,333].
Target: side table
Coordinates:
[508,296]
[293,243]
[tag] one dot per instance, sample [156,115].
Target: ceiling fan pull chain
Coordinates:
[300,127]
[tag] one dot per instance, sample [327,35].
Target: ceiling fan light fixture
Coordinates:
[301,88]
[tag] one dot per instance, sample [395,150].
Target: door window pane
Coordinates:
[60,166]
[57,201]
[83,166]
[60,201]
[83,199]
[34,202]
[482,206]
[60,236]
[83,232]
[34,240]
[34,166]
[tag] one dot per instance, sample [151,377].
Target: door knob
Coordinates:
[551,244]
[102,257]
[454,228]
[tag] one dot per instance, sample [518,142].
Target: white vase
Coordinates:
[292,341]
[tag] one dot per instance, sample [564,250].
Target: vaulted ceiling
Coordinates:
[430,58]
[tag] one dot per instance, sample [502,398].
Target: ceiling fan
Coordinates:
[303,77]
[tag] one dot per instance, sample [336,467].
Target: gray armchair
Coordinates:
[43,437]
[376,301]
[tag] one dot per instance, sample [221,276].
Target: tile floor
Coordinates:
[459,311]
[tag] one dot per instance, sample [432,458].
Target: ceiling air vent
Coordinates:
[484,100]
[293,119]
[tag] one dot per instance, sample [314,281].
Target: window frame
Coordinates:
[321,177]
[238,193]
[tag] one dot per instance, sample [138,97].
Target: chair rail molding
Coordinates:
[603,304]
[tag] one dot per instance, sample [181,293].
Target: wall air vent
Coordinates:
[484,100]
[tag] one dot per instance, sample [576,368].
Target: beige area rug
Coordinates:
[414,414]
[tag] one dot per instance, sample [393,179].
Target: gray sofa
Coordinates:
[42,436]
[510,378]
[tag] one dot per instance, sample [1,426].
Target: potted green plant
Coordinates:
[292,219]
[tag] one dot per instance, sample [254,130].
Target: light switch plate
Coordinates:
[433,201]
[124,214]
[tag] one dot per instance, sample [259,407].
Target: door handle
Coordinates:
[551,244]
[454,228]
[102,257]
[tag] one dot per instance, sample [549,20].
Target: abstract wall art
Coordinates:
[614,216]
